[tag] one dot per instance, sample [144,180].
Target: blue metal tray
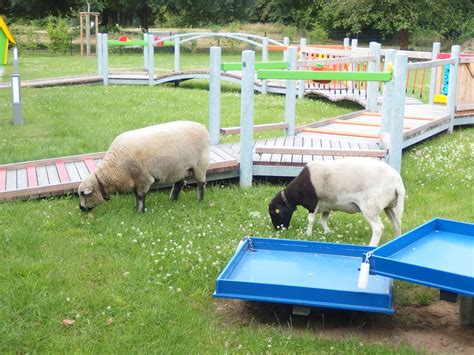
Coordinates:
[439,254]
[303,273]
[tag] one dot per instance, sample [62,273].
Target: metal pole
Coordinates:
[177,50]
[373,86]
[145,52]
[290,97]
[264,59]
[16,99]
[151,60]
[215,95]
[105,59]
[397,110]
[99,52]
[246,118]
[434,56]
[301,83]
[453,84]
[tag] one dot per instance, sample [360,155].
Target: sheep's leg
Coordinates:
[177,187]
[140,201]
[200,190]
[373,217]
[323,221]
[396,221]
[311,218]
[200,177]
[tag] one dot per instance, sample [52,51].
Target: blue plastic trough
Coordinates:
[303,273]
[439,254]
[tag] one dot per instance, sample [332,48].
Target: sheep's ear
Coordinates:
[87,191]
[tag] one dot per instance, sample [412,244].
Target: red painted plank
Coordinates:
[3,180]
[32,179]
[62,172]
[90,164]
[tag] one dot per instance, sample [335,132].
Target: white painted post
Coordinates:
[215,95]
[354,43]
[264,59]
[346,43]
[105,59]
[286,42]
[98,50]
[396,110]
[151,60]
[453,84]
[290,97]
[16,99]
[301,83]
[434,56]
[246,118]
[387,91]
[15,60]
[373,86]
[177,49]
[145,52]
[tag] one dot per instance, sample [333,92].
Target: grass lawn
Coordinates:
[134,283]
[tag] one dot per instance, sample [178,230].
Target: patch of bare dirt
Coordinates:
[433,328]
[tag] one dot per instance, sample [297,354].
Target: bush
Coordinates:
[467,31]
[318,34]
[423,39]
[59,34]
[26,37]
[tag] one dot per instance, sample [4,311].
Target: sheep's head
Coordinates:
[280,211]
[91,193]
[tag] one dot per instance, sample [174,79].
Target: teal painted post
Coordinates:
[98,50]
[396,110]
[246,118]
[373,86]
[434,56]
[387,89]
[215,95]
[177,50]
[145,52]
[301,83]
[286,42]
[290,97]
[105,59]
[151,60]
[453,84]
[264,59]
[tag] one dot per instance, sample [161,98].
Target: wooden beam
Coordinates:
[261,127]
[319,151]
[408,117]
[366,123]
[338,132]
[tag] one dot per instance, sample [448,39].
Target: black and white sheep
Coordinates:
[165,153]
[349,185]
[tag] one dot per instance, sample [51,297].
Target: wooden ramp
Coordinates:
[59,81]
[63,175]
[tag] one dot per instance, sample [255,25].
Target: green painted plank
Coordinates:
[323,75]
[114,42]
[258,65]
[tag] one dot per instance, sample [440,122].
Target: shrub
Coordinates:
[59,34]
[423,39]
[318,34]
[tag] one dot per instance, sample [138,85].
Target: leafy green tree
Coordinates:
[34,9]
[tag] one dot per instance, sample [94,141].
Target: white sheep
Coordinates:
[349,185]
[165,153]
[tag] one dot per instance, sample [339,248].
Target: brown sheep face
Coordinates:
[90,194]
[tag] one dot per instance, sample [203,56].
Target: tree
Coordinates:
[34,9]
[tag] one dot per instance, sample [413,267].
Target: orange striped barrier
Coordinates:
[338,132]
[63,175]
[274,47]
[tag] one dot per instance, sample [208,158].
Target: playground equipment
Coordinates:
[5,39]
[305,274]
[85,31]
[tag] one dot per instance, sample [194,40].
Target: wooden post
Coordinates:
[385,119]
[373,86]
[453,84]
[286,42]
[466,310]
[301,83]
[264,59]
[145,52]
[98,50]
[434,56]
[290,97]
[396,109]
[177,49]
[215,95]
[105,59]
[246,118]
[346,43]
[88,34]
[81,34]
[151,60]
[96,24]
